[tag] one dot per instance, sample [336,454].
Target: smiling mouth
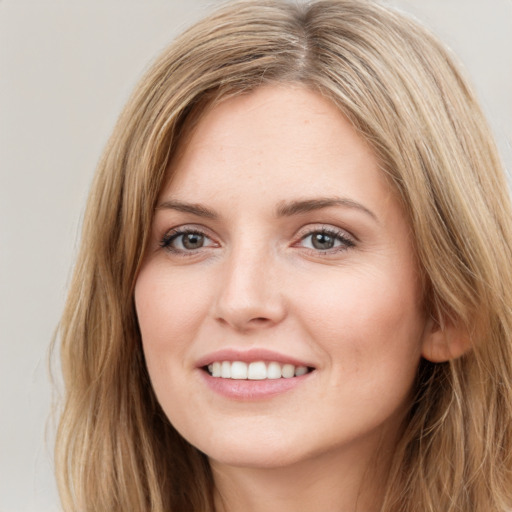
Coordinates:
[257,370]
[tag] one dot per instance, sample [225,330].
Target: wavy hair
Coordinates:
[116,450]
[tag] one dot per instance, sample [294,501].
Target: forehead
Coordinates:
[274,142]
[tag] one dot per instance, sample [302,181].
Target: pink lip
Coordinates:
[248,390]
[248,356]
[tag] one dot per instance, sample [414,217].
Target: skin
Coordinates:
[352,312]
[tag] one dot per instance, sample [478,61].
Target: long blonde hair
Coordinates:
[116,451]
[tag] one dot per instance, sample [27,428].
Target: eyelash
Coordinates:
[346,242]
[338,235]
[174,234]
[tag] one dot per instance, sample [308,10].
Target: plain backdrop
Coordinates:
[66,69]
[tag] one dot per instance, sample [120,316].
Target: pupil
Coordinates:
[193,241]
[322,241]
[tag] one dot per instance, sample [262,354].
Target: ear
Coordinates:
[444,341]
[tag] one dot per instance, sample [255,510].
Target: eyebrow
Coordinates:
[287,209]
[194,208]
[284,209]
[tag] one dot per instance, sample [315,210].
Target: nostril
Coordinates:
[259,321]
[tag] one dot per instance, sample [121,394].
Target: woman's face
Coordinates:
[281,257]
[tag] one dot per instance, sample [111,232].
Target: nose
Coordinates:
[250,293]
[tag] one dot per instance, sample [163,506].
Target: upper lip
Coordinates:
[249,356]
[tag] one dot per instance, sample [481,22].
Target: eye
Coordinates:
[326,239]
[185,240]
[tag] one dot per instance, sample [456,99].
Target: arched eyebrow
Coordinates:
[194,208]
[289,208]
[284,208]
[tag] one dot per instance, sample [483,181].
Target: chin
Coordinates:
[251,451]
[255,458]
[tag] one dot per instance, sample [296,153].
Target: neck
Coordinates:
[323,483]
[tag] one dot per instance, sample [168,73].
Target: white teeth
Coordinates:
[257,370]
[288,371]
[225,371]
[216,369]
[273,371]
[238,370]
[301,370]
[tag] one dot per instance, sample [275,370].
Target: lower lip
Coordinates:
[247,390]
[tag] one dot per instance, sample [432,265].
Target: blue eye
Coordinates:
[326,240]
[185,241]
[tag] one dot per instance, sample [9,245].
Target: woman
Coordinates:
[294,289]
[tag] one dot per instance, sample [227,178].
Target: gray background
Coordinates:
[66,69]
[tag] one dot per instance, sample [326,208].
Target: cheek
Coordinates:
[169,312]
[368,323]
[167,305]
